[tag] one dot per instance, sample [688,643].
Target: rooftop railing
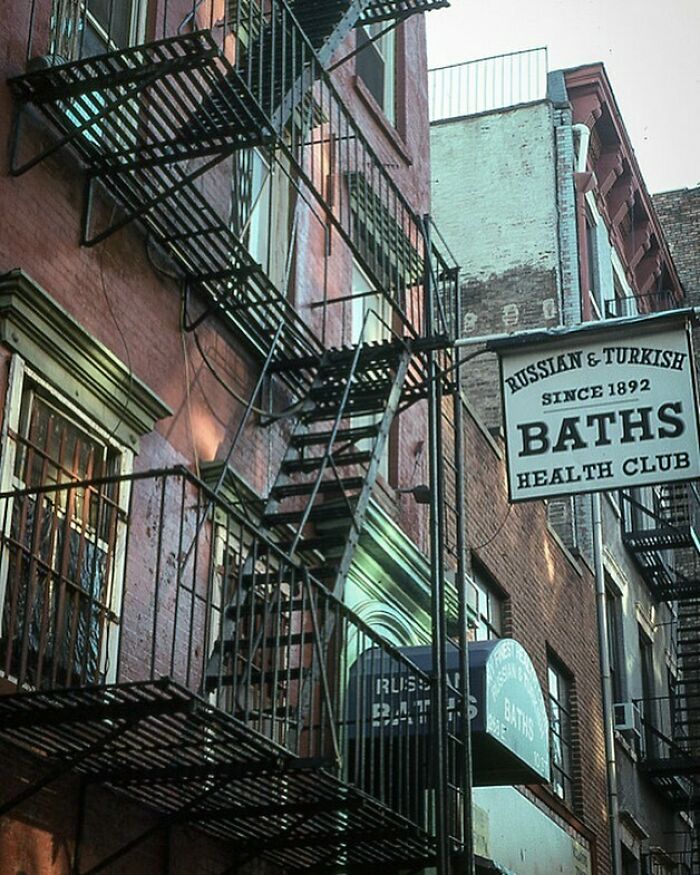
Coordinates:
[487,84]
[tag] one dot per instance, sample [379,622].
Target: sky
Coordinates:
[650,48]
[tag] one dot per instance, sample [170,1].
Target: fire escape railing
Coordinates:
[661,526]
[662,531]
[668,746]
[153,121]
[638,305]
[123,581]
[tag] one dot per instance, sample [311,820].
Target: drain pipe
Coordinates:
[606,681]
[584,138]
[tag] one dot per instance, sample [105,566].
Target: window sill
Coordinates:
[386,126]
[625,745]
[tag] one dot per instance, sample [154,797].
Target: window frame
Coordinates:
[492,621]
[562,773]
[382,53]
[615,643]
[71,18]
[22,378]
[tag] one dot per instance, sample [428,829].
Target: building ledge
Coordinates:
[68,356]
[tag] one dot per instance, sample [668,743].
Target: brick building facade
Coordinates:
[560,229]
[246,220]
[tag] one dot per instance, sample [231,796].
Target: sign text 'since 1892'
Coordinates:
[600,410]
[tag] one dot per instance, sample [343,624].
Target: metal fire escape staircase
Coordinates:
[316,507]
[149,123]
[665,541]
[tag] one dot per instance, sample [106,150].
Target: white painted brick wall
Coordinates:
[494,189]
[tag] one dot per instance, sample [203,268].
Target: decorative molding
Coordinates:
[397,574]
[55,345]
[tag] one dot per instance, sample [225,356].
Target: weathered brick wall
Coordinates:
[114,292]
[551,607]
[679,213]
[494,200]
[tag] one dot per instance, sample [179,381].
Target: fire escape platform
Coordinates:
[650,540]
[171,750]
[147,123]
[207,103]
[385,10]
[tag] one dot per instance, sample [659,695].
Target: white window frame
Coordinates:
[385,47]
[72,12]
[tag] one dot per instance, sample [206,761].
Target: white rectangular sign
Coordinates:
[600,410]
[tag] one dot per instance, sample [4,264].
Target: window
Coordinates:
[263,206]
[560,715]
[370,305]
[593,266]
[60,581]
[81,28]
[370,321]
[649,701]
[616,648]
[630,864]
[487,606]
[376,65]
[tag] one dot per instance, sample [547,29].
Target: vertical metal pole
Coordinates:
[606,680]
[437,602]
[463,566]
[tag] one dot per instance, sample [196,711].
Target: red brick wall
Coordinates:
[114,292]
[679,214]
[551,607]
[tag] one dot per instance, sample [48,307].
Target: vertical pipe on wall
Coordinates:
[606,681]
[461,587]
[437,578]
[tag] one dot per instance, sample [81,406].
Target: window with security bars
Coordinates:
[560,735]
[62,533]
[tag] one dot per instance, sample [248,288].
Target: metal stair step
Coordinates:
[358,406]
[349,435]
[321,543]
[347,484]
[382,351]
[309,465]
[321,512]
[279,676]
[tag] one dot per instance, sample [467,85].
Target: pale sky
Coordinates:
[650,48]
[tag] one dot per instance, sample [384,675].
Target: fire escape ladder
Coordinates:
[314,512]
[318,502]
[662,535]
[144,123]
[664,541]
[328,24]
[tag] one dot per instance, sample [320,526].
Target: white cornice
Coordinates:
[55,345]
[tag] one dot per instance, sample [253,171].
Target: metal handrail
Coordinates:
[277,66]
[96,597]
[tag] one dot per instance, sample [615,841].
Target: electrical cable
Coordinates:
[232,392]
[188,402]
[496,533]
[220,380]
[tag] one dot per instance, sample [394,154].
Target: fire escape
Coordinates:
[663,534]
[221,702]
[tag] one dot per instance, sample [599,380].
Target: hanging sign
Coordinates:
[602,409]
[510,731]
